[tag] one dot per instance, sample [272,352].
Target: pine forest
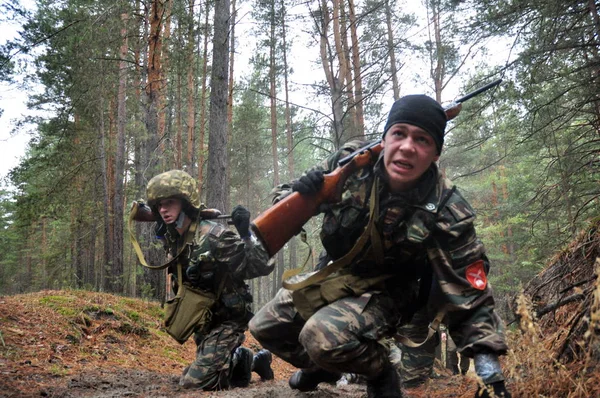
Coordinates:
[246,95]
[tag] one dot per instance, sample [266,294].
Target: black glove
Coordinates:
[241,219]
[498,387]
[310,183]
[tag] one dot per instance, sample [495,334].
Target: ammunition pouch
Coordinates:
[188,311]
[311,298]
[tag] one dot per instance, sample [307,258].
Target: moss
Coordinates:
[133,315]
[67,311]
[64,305]
[55,301]
[58,370]
[156,312]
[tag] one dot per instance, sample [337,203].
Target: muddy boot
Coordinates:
[261,364]
[308,380]
[242,365]
[386,385]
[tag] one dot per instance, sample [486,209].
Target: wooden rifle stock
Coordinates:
[278,224]
[143,212]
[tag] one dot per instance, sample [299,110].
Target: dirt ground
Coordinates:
[81,344]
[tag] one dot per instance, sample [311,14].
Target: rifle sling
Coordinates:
[433,327]
[189,237]
[369,233]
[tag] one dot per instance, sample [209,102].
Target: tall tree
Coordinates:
[217,185]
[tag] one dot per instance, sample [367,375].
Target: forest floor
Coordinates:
[84,344]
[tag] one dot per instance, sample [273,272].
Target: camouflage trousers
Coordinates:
[416,365]
[342,337]
[457,362]
[211,370]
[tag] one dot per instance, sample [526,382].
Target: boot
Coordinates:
[386,385]
[308,380]
[242,365]
[261,364]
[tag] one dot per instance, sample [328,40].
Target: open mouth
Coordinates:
[403,165]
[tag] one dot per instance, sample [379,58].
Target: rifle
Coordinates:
[143,213]
[282,221]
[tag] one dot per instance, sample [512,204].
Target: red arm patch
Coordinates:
[475,274]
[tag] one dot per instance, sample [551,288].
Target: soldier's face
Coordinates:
[169,209]
[409,151]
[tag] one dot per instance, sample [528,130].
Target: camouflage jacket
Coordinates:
[219,257]
[429,239]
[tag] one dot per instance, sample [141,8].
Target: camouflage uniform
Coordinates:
[217,254]
[429,243]
[416,365]
[457,362]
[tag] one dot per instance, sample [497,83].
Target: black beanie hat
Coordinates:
[421,111]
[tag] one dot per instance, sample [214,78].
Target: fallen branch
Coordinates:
[551,307]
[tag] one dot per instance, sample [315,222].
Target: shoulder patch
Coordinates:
[475,274]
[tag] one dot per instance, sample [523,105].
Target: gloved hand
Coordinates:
[241,219]
[310,183]
[498,387]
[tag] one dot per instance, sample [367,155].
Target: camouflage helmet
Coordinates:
[173,184]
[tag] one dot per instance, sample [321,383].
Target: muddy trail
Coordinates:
[84,344]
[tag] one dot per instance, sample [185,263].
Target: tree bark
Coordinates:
[218,160]
[230,93]
[119,172]
[391,47]
[203,94]
[154,86]
[436,57]
[288,123]
[335,89]
[356,67]
[191,91]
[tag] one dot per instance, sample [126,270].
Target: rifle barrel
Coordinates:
[455,103]
[478,91]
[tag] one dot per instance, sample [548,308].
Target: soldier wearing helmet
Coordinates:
[217,261]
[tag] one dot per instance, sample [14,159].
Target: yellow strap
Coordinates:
[293,272]
[348,257]
[132,238]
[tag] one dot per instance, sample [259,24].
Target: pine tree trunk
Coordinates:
[154,87]
[273,109]
[230,93]
[288,123]
[335,88]
[343,50]
[162,91]
[117,271]
[178,128]
[391,48]
[217,141]
[437,59]
[358,93]
[203,95]
[191,91]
